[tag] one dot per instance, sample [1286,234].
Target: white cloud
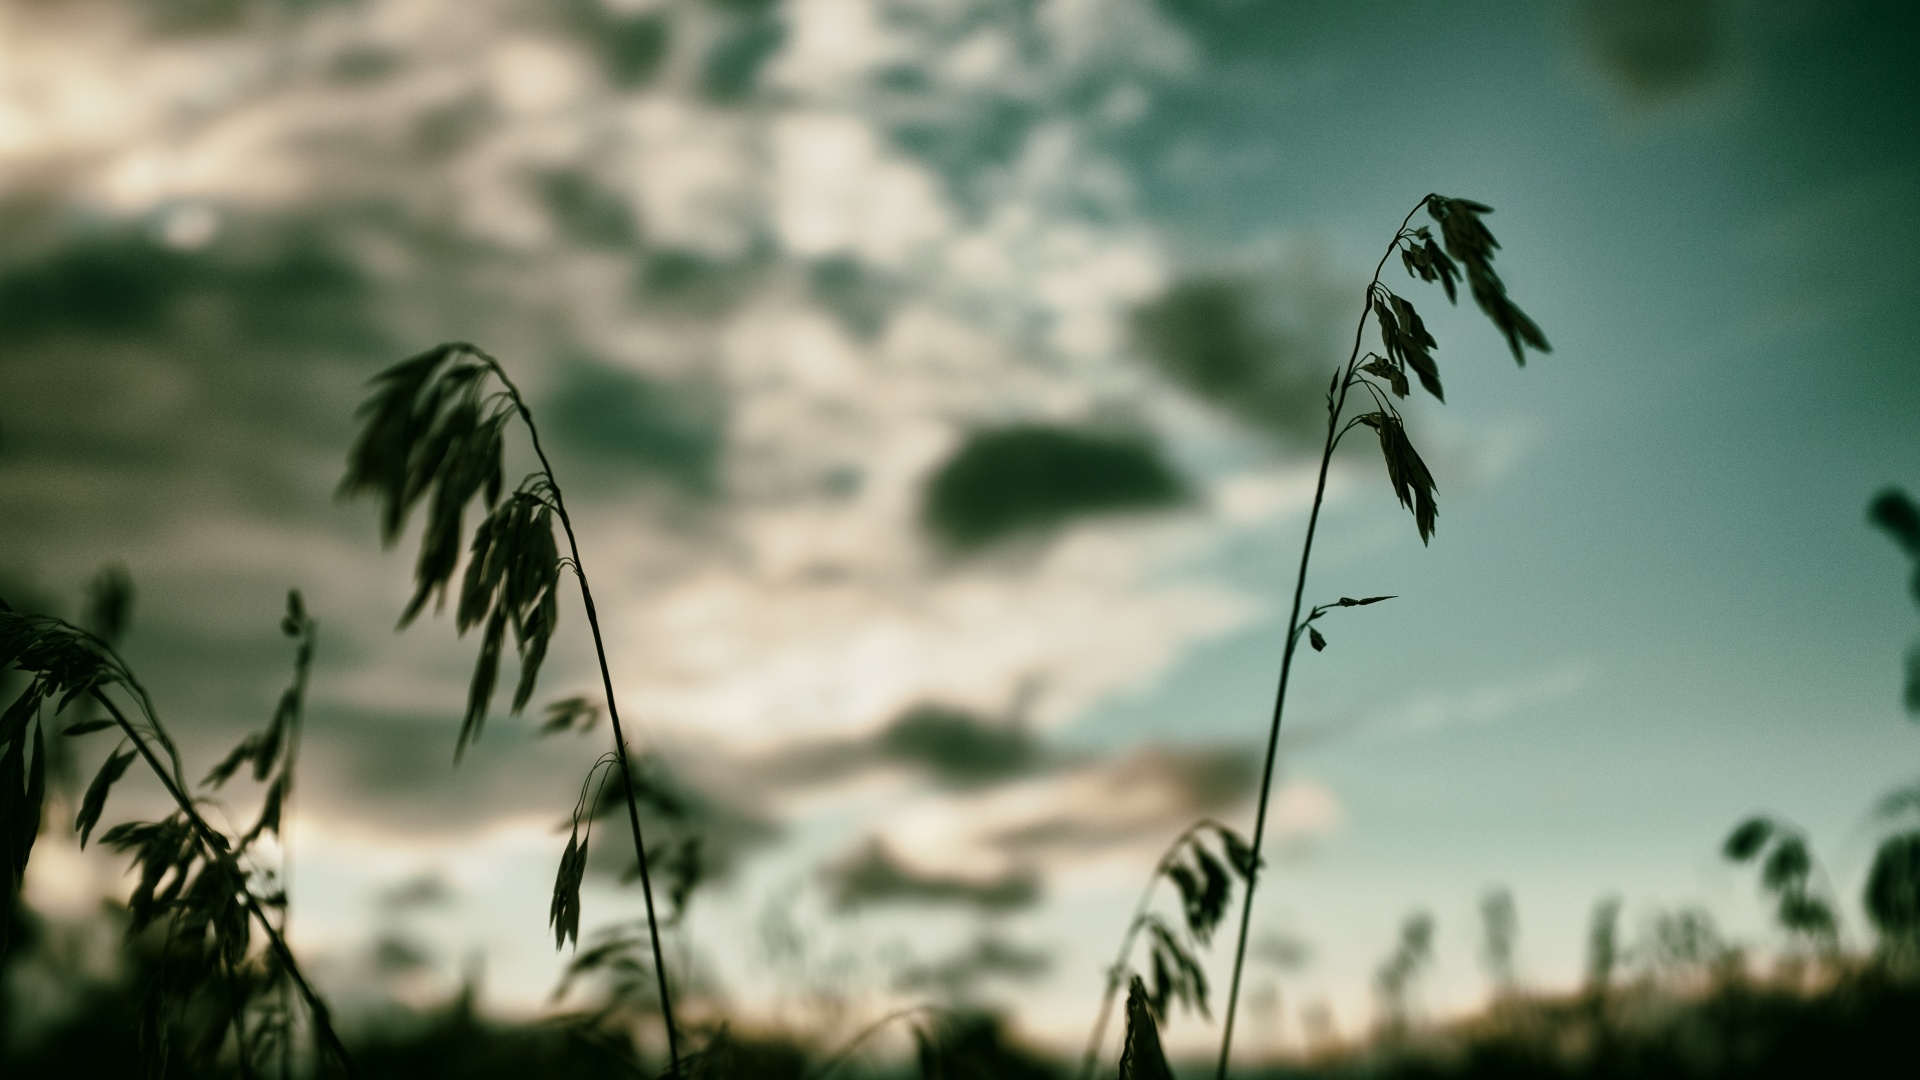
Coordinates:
[1490,702]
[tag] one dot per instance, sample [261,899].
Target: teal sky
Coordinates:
[1653,604]
[1682,518]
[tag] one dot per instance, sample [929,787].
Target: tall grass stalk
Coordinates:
[1468,252]
[430,428]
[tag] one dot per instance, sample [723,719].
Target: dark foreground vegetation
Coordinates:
[1851,1017]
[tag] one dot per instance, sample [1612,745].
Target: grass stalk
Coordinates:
[613,708]
[1345,379]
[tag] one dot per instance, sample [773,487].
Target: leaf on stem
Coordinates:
[429,432]
[95,801]
[1348,601]
[1407,341]
[23,789]
[1895,511]
[562,715]
[512,579]
[684,868]
[269,820]
[1788,865]
[1746,841]
[13,722]
[564,914]
[1417,347]
[296,618]
[29,819]
[1316,639]
[1807,914]
[1468,241]
[486,672]
[241,754]
[1176,974]
[1408,474]
[1893,889]
[1239,852]
[1396,378]
[1426,261]
[1143,1059]
[1209,906]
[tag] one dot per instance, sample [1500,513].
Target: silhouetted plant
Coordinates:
[841,1056]
[1892,896]
[1802,907]
[196,885]
[1142,1058]
[1393,982]
[1204,880]
[617,960]
[1685,948]
[1895,511]
[434,431]
[1465,249]
[106,614]
[1603,955]
[1500,931]
[973,1046]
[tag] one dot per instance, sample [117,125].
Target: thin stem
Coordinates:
[1092,1057]
[210,843]
[613,710]
[303,661]
[865,1033]
[1286,655]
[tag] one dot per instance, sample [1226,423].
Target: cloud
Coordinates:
[985,958]
[394,774]
[1491,702]
[1033,479]
[1083,807]
[673,431]
[585,213]
[632,47]
[1207,335]
[796,337]
[675,807]
[1655,50]
[752,34]
[959,748]
[1304,807]
[786,303]
[873,875]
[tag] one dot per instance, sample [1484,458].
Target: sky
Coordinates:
[936,388]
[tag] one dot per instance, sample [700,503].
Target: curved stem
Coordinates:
[1286,655]
[212,845]
[613,709]
[302,669]
[833,1062]
[1117,970]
